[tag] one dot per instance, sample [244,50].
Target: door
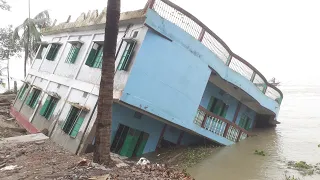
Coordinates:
[141,144]
[119,138]
[130,143]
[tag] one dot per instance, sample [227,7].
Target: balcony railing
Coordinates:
[198,30]
[219,125]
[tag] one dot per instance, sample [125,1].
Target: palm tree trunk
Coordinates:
[105,100]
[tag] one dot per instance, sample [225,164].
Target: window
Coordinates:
[48,107]
[124,60]
[74,121]
[245,122]
[73,53]
[33,98]
[53,51]
[23,90]
[218,107]
[95,56]
[42,51]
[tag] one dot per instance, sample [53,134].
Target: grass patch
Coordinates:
[302,165]
[304,168]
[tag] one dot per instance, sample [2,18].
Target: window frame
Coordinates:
[33,97]
[73,52]
[53,51]
[95,56]
[127,54]
[40,51]
[76,121]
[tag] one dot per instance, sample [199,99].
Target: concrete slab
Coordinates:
[24,138]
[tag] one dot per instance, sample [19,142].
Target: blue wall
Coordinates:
[204,55]
[124,115]
[168,80]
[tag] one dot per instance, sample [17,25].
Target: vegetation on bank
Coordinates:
[291,178]
[182,157]
[304,168]
[260,153]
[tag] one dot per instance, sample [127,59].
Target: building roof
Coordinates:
[89,20]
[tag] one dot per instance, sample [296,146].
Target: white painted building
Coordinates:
[61,71]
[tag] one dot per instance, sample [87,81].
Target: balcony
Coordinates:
[220,125]
[216,45]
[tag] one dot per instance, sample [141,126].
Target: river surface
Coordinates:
[295,139]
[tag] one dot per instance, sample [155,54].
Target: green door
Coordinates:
[130,143]
[140,147]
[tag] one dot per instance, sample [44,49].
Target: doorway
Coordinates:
[129,142]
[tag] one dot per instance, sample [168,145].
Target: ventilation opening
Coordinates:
[137,115]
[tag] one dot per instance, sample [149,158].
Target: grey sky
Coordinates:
[279,37]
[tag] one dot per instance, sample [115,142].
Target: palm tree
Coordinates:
[4,5]
[31,35]
[105,100]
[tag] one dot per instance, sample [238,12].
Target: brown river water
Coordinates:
[295,139]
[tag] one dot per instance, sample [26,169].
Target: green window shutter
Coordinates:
[124,61]
[51,108]
[218,107]
[22,91]
[92,55]
[29,98]
[50,53]
[73,53]
[56,50]
[45,106]
[243,121]
[210,103]
[76,127]
[224,111]
[70,54]
[35,102]
[98,58]
[248,123]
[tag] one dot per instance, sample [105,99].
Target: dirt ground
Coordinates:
[45,160]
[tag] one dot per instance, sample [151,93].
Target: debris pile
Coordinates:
[47,160]
[8,126]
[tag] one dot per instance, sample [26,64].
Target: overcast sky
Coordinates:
[281,38]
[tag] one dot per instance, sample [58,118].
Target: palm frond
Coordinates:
[17,30]
[42,15]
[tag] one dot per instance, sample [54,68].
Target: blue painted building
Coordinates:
[176,83]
